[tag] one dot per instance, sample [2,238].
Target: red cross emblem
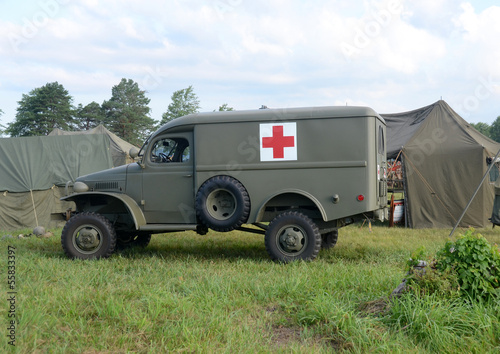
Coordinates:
[278,141]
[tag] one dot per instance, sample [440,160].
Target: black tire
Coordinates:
[128,240]
[222,203]
[88,236]
[292,236]
[329,240]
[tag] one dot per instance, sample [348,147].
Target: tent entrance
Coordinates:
[396,192]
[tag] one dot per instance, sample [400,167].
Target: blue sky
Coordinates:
[391,55]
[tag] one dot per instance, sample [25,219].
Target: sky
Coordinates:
[390,55]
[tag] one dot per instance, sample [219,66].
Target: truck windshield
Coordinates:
[170,150]
[143,147]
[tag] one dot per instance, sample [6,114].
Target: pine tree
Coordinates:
[90,116]
[184,102]
[225,107]
[127,112]
[42,110]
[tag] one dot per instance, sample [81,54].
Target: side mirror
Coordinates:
[134,152]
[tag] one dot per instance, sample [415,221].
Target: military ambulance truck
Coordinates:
[295,175]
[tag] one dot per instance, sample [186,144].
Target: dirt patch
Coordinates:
[339,345]
[283,336]
[272,309]
[375,307]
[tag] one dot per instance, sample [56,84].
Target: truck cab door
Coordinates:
[168,180]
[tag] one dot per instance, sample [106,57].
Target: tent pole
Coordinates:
[405,194]
[34,208]
[474,195]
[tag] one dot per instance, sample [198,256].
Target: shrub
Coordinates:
[474,262]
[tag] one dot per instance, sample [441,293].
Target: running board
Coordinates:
[168,227]
[254,231]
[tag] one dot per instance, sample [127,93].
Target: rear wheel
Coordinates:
[88,236]
[292,236]
[329,240]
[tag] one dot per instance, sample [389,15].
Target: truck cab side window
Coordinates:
[381,144]
[168,150]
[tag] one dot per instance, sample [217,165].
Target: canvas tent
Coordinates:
[34,171]
[443,161]
[118,147]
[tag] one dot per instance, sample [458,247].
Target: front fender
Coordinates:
[134,209]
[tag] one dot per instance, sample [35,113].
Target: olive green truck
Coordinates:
[295,175]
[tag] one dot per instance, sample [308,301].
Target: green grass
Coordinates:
[221,293]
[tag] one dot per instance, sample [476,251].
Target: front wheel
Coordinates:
[88,236]
[292,236]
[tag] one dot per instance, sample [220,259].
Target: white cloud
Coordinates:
[407,49]
[480,33]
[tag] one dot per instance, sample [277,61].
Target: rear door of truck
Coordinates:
[381,163]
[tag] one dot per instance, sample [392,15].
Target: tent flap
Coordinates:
[119,148]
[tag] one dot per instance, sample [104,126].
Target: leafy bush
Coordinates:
[475,263]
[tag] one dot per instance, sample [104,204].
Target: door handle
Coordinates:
[188,176]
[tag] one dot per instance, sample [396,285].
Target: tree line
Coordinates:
[491,131]
[126,113]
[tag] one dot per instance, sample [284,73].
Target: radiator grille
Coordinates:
[106,185]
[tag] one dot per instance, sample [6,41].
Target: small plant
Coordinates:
[475,263]
[415,258]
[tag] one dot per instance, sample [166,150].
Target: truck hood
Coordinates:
[112,174]
[110,180]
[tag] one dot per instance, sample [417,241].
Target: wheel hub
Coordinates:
[88,239]
[292,240]
[221,204]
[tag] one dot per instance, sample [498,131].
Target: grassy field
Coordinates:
[221,293]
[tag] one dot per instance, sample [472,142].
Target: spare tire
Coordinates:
[222,203]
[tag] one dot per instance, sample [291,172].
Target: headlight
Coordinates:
[80,187]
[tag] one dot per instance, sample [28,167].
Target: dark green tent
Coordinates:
[118,147]
[444,160]
[34,171]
